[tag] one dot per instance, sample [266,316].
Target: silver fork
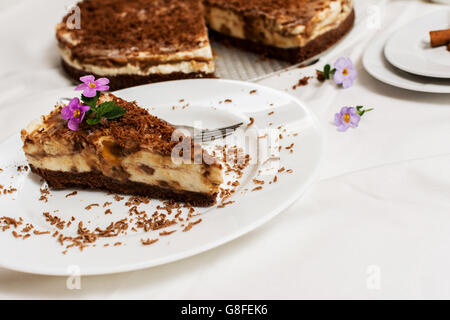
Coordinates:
[205,135]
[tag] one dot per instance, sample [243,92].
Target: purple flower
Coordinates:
[348,117]
[345,72]
[90,86]
[74,112]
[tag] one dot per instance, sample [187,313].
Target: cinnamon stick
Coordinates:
[439,37]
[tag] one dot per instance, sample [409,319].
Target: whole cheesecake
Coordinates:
[137,154]
[135,42]
[291,30]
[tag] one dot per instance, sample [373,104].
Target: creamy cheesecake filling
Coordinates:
[142,166]
[191,66]
[277,34]
[166,67]
[184,178]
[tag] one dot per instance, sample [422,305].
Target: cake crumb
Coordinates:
[253,91]
[302,82]
[257,188]
[108,211]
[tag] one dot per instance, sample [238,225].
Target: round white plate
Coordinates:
[409,48]
[377,65]
[205,98]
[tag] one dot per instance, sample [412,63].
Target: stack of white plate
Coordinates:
[406,60]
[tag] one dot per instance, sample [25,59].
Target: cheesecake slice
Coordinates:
[135,42]
[291,30]
[136,154]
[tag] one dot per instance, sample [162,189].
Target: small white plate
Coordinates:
[43,255]
[409,48]
[377,65]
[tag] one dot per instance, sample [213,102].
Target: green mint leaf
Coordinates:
[117,112]
[93,121]
[332,72]
[104,108]
[109,110]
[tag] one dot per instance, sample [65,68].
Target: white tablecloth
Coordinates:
[376,225]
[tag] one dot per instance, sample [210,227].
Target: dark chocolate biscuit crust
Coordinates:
[96,180]
[294,55]
[129,80]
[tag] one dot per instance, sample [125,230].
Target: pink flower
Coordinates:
[74,112]
[90,86]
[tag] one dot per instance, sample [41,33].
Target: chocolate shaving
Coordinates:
[148,242]
[166,233]
[89,207]
[252,121]
[71,194]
